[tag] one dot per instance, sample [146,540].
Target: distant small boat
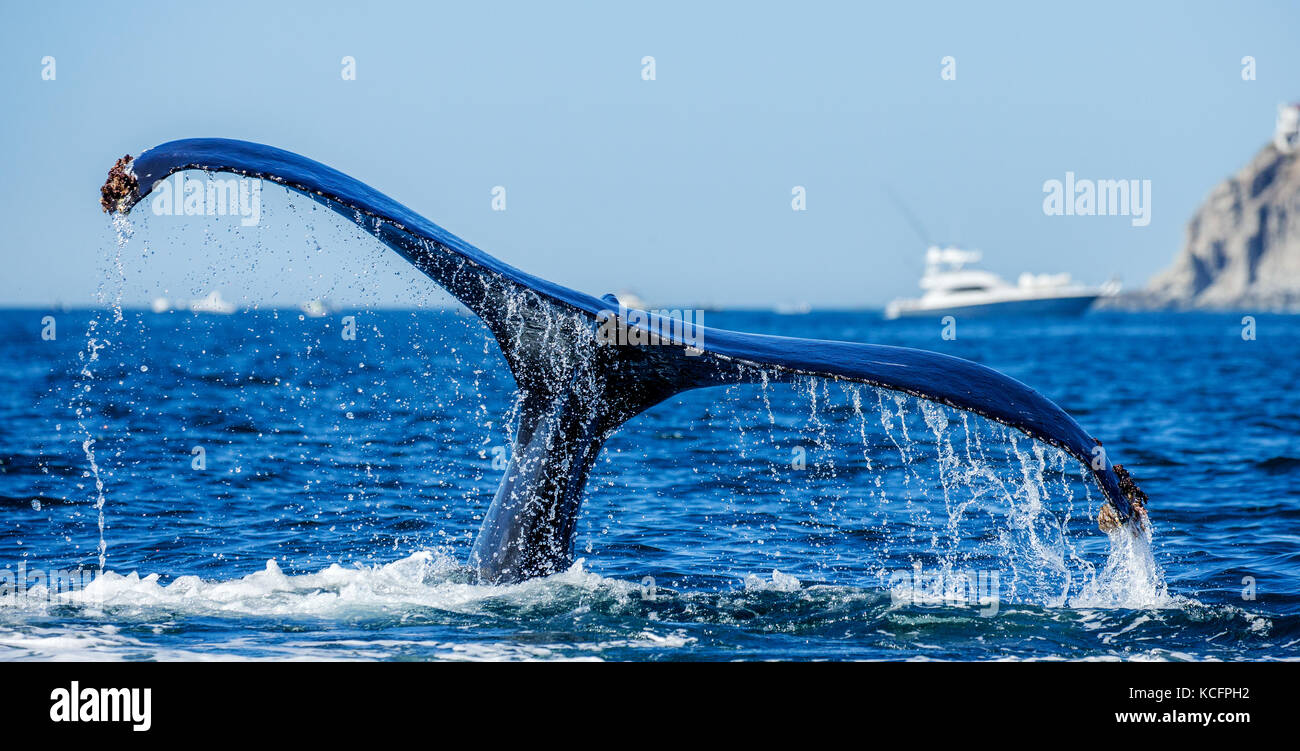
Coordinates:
[160,305]
[212,304]
[316,308]
[630,299]
[952,289]
[793,309]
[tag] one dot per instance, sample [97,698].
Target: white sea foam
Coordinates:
[426,579]
[778,583]
[422,585]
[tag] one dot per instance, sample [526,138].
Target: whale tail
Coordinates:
[584,365]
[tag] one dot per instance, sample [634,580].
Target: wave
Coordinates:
[1278,464]
[423,605]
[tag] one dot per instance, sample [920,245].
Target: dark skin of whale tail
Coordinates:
[576,386]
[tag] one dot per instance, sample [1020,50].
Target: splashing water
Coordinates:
[699,493]
[954,487]
[82,400]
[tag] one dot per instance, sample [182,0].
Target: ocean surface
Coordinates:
[257,486]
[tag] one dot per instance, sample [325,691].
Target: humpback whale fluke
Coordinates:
[575,388]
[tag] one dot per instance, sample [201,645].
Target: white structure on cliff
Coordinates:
[1287,135]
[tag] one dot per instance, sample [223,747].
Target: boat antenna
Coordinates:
[912,221]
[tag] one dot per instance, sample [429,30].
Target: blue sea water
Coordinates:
[269,489]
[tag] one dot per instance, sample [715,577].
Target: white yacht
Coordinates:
[952,289]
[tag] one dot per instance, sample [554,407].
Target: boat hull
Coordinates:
[1072,305]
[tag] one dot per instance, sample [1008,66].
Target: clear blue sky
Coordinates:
[678,187]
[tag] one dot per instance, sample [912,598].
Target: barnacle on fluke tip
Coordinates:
[1107,519]
[119,186]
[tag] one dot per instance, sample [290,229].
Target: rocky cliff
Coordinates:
[1242,250]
